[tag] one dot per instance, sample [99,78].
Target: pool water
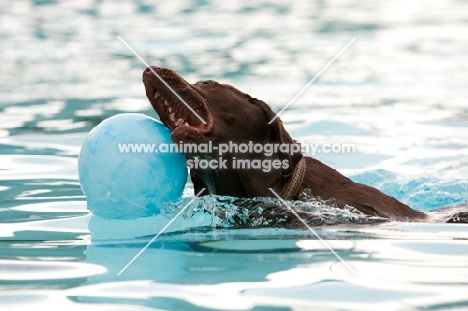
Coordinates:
[398,93]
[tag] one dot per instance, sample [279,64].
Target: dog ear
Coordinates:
[278,135]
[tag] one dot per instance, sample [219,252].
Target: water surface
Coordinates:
[398,93]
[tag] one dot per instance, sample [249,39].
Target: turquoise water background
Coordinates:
[399,93]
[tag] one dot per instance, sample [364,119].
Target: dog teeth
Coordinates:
[179,122]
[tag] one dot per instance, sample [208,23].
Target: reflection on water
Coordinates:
[412,264]
[398,93]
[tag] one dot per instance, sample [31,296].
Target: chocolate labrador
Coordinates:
[216,114]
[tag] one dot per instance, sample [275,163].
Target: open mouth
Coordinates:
[190,119]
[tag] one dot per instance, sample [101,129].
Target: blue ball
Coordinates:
[122,184]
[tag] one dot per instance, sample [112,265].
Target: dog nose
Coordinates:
[148,73]
[150,69]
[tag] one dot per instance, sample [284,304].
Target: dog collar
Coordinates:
[293,185]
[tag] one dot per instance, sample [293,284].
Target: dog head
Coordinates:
[211,111]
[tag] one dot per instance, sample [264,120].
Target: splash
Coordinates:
[423,193]
[260,212]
